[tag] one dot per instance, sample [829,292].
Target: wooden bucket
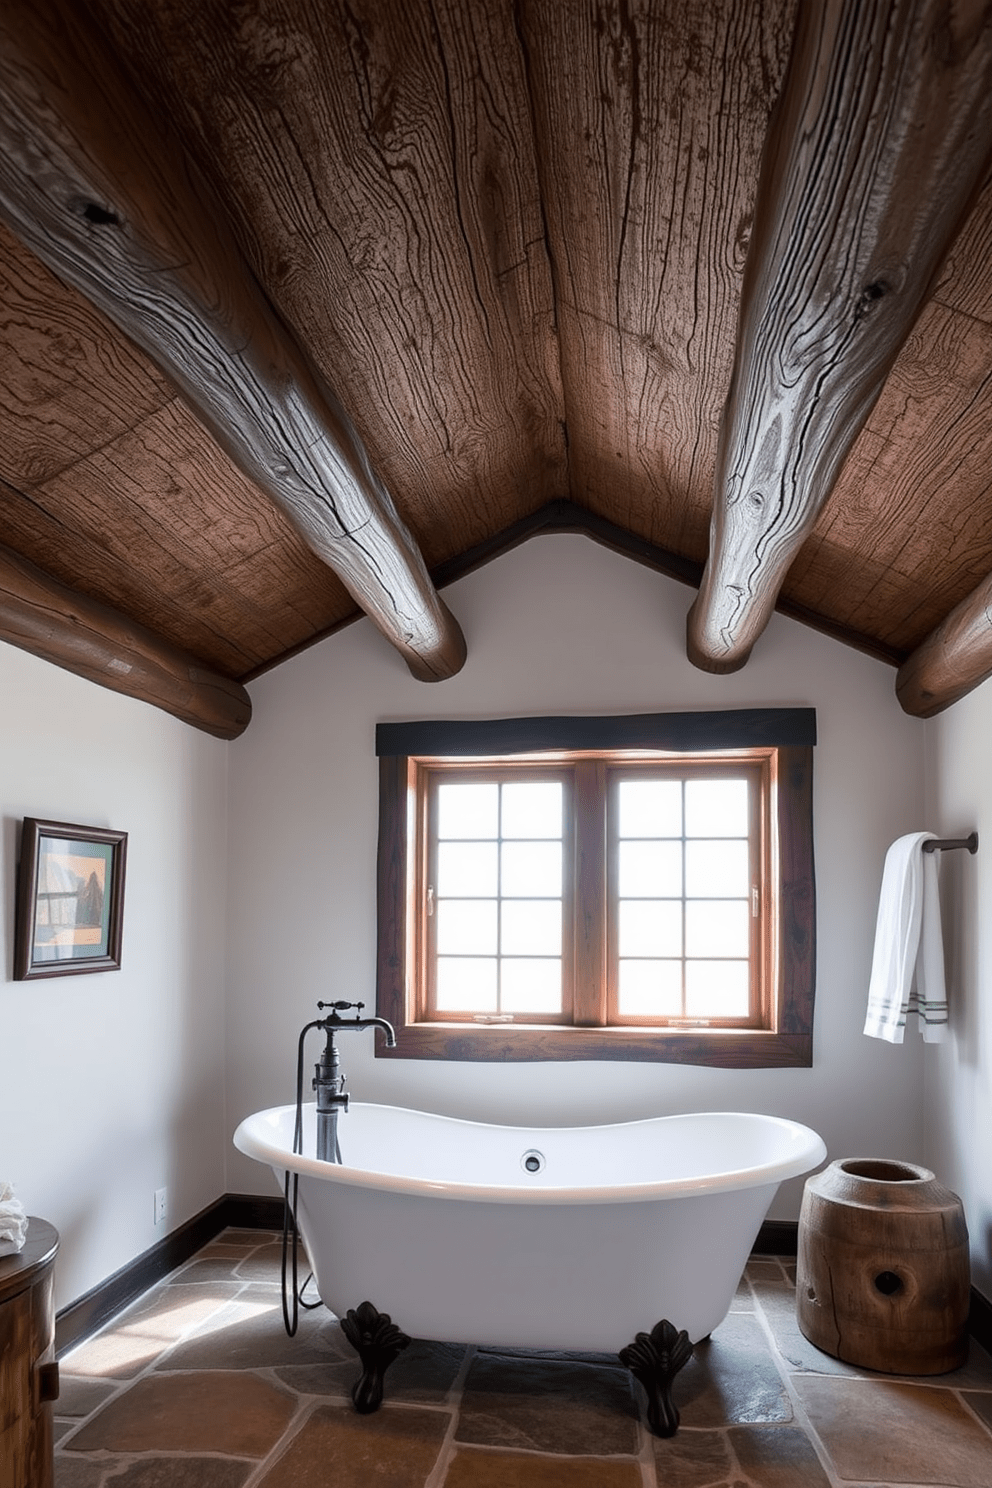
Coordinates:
[883,1279]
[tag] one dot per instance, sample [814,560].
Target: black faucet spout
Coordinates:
[334,1022]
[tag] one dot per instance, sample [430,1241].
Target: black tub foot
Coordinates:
[655,1359]
[377,1341]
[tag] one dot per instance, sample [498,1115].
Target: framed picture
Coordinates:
[70,900]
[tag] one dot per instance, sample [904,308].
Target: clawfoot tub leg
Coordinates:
[377,1341]
[655,1359]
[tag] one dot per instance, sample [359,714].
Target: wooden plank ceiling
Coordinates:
[511,236]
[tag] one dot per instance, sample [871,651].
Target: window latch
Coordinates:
[430,901]
[755,902]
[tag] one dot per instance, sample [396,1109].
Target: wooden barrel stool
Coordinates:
[883,1279]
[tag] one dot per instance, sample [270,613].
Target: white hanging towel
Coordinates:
[908,939]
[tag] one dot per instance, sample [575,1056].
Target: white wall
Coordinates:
[111,1084]
[958,1087]
[559,625]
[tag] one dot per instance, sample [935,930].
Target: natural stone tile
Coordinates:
[232,1413]
[249,1333]
[139,1334]
[472,1468]
[265,1264]
[732,1377]
[334,1378]
[692,1459]
[80,1396]
[395,1448]
[763,1269]
[183,1472]
[777,1300]
[570,1356]
[59,1429]
[743,1297]
[206,1268]
[234,1236]
[547,1405]
[778,1303]
[423,1373]
[777,1457]
[217,1250]
[80,1472]
[900,1433]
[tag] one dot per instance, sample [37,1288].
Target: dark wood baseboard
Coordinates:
[83,1317]
[980,1320]
[778,1237]
[264,1212]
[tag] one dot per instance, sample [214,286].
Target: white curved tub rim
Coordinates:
[806,1151]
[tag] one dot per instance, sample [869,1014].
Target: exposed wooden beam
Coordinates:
[42,616]
[570,517]
[101,192]
[952,661]
[879,143]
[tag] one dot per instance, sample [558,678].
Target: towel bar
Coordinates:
[942,844]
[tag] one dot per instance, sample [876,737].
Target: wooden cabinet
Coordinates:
[28,1372]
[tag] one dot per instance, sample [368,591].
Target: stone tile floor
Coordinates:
[196,1385]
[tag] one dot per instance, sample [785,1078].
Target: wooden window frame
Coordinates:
[423,778]
[789,948]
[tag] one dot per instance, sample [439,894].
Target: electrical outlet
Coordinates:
[159,1200]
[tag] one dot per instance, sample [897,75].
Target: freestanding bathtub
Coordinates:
[560,1237]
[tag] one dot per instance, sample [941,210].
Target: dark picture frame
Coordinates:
[69,917]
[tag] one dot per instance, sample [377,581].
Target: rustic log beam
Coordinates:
[105,196]
[42,616]
[952,661]
[880,141]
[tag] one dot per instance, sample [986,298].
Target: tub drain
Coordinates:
[532,1161]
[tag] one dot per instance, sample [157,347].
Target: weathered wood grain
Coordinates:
[907,533]
[68,383]
[880,143]
[82,636]
[94,185]
[953,659]
[650,117]
[376,160]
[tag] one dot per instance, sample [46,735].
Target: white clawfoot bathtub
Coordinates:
[439,1222]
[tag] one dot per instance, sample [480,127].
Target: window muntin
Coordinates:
[688,892]
[496,896]
[674,858]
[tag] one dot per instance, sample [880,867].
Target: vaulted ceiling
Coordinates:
[312,305]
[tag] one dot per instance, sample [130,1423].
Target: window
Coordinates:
[580,888]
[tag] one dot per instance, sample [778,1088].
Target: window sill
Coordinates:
[719,1048]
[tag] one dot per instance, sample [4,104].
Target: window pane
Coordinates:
[650,927]
[717,927]
[467,810]
[716,808]
[650,808]
[530,927]
[466,927]
[650,869]
[716,868]
[531,986]
[532,808]
[466,986]
[716,989]
[531,869]
[650,989]
[467,869]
